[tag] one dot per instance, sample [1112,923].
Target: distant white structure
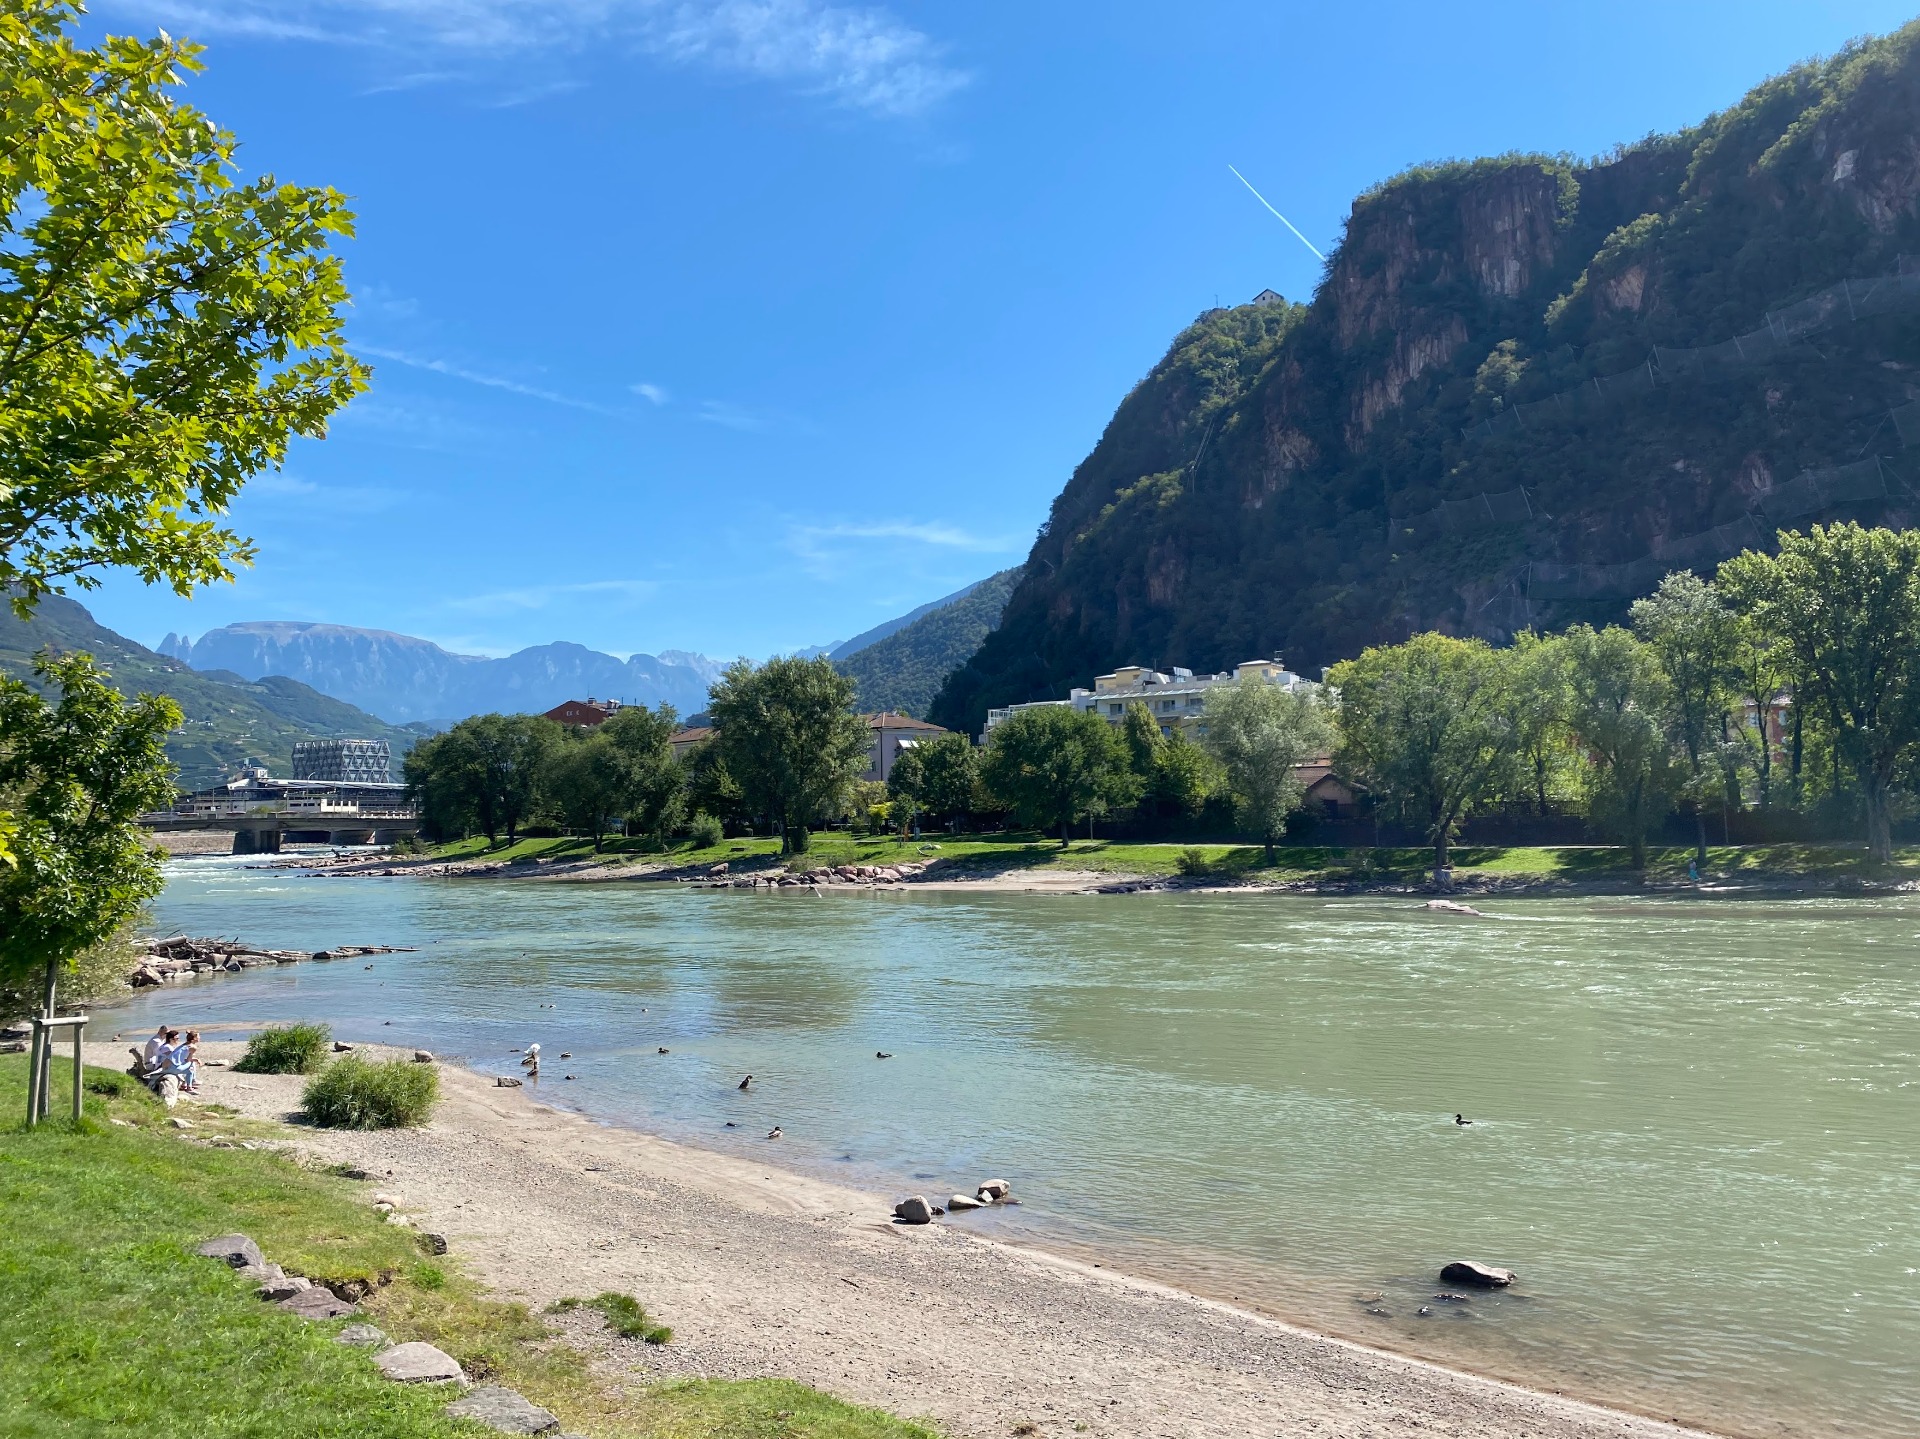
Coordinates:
[343,761]
[1268,297]
[1176,700]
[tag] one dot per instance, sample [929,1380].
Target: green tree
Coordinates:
[1537,701]
[585,782]
[949,770]
[904,785]
[1260,734]
[489,767]
[1176,776]
[440,786]
[1619,706]
[1845,602]
[652,784]
[1052,764]
[164,328]
[790,740]
[1696,638]
[80,771]
[1427,727]
[711,788]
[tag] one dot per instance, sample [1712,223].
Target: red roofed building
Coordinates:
[583,714]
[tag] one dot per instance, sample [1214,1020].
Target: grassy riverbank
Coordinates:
[1014,852]
[108,1320]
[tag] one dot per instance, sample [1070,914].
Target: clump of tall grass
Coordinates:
[288,1049]
[352,1093]
[624,1316]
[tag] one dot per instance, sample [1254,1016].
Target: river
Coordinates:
[1694,1126]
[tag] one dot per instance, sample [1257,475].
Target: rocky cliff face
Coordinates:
[1306,477]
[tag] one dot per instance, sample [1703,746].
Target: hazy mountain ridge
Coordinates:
[903,669]
[1252,493]
[406,679]
[228,719]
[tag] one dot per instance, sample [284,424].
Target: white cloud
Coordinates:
[538,597]
[944,535]
[859,56]
[653,394]
[837,551]
[733,417]
[476,377]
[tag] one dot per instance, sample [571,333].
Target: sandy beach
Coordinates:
[765,1272]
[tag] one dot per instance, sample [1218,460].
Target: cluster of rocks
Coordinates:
[915,1209]
[411,1363]
[180,957]
[866,874]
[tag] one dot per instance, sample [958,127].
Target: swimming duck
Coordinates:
[774,1133]
[881,1054]
[745,1082]
[663,1049]
[1461,1120]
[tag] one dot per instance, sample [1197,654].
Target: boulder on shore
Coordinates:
[418,1363]
[235,1250]
[994,1188]
[504,1410]
[966,1201]
[914,1209]
[318,1303]
[1481,1276]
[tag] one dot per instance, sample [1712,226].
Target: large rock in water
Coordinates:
[1481,1276]
[914,1209]
[234,1249]
[504,1410]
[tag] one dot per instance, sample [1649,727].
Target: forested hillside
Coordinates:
[228,719]
[902,671]
[1525,387]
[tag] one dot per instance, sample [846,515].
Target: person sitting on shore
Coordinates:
[187,1057]
[176,1061]
[151,1051]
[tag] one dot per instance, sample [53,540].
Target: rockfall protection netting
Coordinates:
[1838,304]
[1810,491]
[1457,517]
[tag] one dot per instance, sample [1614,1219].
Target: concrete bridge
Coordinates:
[264,833]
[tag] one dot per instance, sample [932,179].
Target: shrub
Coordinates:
[1193,862]
[289,1049]
[799,839]
[624,1316]
[352,1093]
[705,831]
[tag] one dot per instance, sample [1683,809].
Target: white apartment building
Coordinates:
[1175,700]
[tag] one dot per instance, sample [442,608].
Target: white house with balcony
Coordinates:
[1176,699]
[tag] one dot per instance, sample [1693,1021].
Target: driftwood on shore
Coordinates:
[180,956]
[718,878]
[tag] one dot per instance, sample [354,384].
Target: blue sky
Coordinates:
[742,325]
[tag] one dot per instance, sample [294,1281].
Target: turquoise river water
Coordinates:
[1694,1123]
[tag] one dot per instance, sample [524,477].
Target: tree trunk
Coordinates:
[1065,838]
[1442,847]
[1879,821]
[1700,835]
[1268,837]
[43,1059]
[1799,751]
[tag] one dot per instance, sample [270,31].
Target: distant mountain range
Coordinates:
[228,718]
[403,679]
[900,665]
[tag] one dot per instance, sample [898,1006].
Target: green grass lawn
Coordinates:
[110,1325]
[1022,850]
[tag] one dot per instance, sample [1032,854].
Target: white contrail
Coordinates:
[1278,216]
